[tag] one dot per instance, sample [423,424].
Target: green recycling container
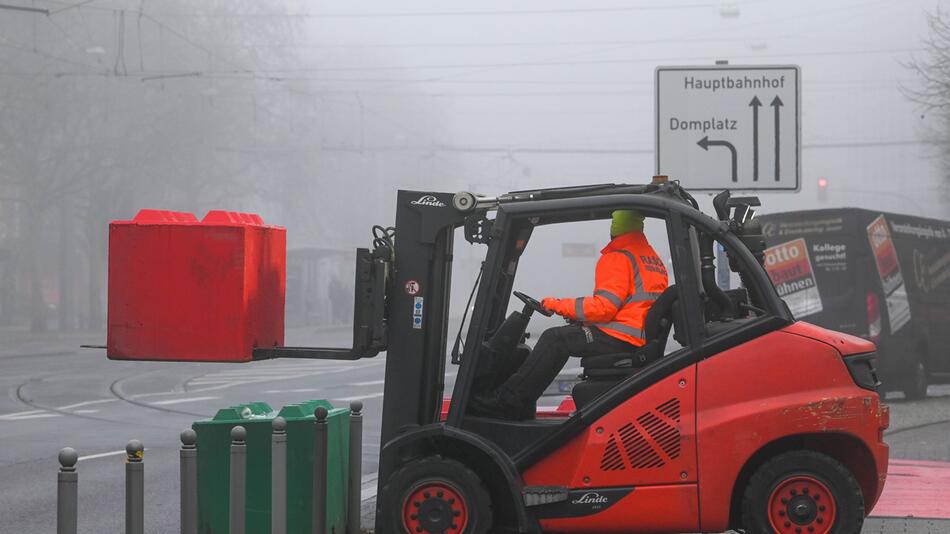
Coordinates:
[214,443]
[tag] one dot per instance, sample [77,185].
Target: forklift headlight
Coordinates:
[863,369]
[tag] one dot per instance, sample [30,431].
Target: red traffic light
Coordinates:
[822,182]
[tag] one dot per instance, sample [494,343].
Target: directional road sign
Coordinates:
[729,127]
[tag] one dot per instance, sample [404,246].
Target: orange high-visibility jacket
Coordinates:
[629,278]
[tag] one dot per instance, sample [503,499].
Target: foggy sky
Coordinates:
[314,113]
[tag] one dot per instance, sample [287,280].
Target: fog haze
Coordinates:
[313,114]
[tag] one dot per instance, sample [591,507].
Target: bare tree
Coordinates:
[186,105]
[933,91]
[81,144]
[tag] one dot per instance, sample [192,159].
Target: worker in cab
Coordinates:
[628,279]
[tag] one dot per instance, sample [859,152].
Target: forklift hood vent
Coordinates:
[647,443]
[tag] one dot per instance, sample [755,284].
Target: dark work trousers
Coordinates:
[550,353]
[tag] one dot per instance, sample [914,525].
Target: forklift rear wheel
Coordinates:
[436,494]
[803,492]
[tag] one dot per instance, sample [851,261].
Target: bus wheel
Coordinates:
[436,494]
[803,492]
[915,385]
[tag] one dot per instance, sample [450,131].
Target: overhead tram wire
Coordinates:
[479,68]
[280,74]
[251,73]
[495,44]
[572,10]
[175,32]
[161,24]
[188,40]
[5,42]
[117,12]
[563,150]
[10,7]
[849,7]
[71,6]
[411,14]
[65,34]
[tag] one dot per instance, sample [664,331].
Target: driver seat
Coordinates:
[603,371]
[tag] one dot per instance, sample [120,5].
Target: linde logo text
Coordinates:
[428,200]
[590,498]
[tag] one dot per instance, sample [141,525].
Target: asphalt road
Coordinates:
[58,395]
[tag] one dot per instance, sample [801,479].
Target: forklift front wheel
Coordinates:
[436,494]
[803,492]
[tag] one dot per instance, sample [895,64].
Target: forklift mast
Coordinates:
[417,309]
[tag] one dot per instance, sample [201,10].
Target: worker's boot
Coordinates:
[528,411]
[520,407]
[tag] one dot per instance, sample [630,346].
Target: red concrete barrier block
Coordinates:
[180,289]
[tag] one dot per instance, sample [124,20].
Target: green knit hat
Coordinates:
[625,221]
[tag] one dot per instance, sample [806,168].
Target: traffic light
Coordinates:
[822,189]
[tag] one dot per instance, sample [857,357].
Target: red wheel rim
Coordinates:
[802,504]
[435,506]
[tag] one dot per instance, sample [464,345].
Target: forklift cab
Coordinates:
[719,425]
[495,344]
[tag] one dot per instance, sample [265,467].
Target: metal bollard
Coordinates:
[67,482]
[356,468]
[278,476]
[238,479]
[134,488]
[188,472]
[320,471]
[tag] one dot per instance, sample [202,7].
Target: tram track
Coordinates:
[26,400]
[21,395]
[116,391]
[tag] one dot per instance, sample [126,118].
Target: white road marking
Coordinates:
[87,403]
[359,397]
[368,487]
[233,378]
[42,415]
[179,401]
[276,371]
[370,383]
[301,390]
[104,454]
[159,394]
[18,414]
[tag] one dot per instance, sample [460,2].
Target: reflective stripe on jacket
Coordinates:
[629,278]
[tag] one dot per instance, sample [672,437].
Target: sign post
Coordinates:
[729,127]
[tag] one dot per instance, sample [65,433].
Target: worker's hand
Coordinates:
[549,303]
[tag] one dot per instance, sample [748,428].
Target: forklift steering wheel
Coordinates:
[532,303]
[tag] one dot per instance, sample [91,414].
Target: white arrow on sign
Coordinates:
[705,143]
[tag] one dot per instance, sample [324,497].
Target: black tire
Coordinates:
[916,382]
[427,485]
[765,497]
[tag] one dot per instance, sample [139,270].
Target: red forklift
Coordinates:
[752,421]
